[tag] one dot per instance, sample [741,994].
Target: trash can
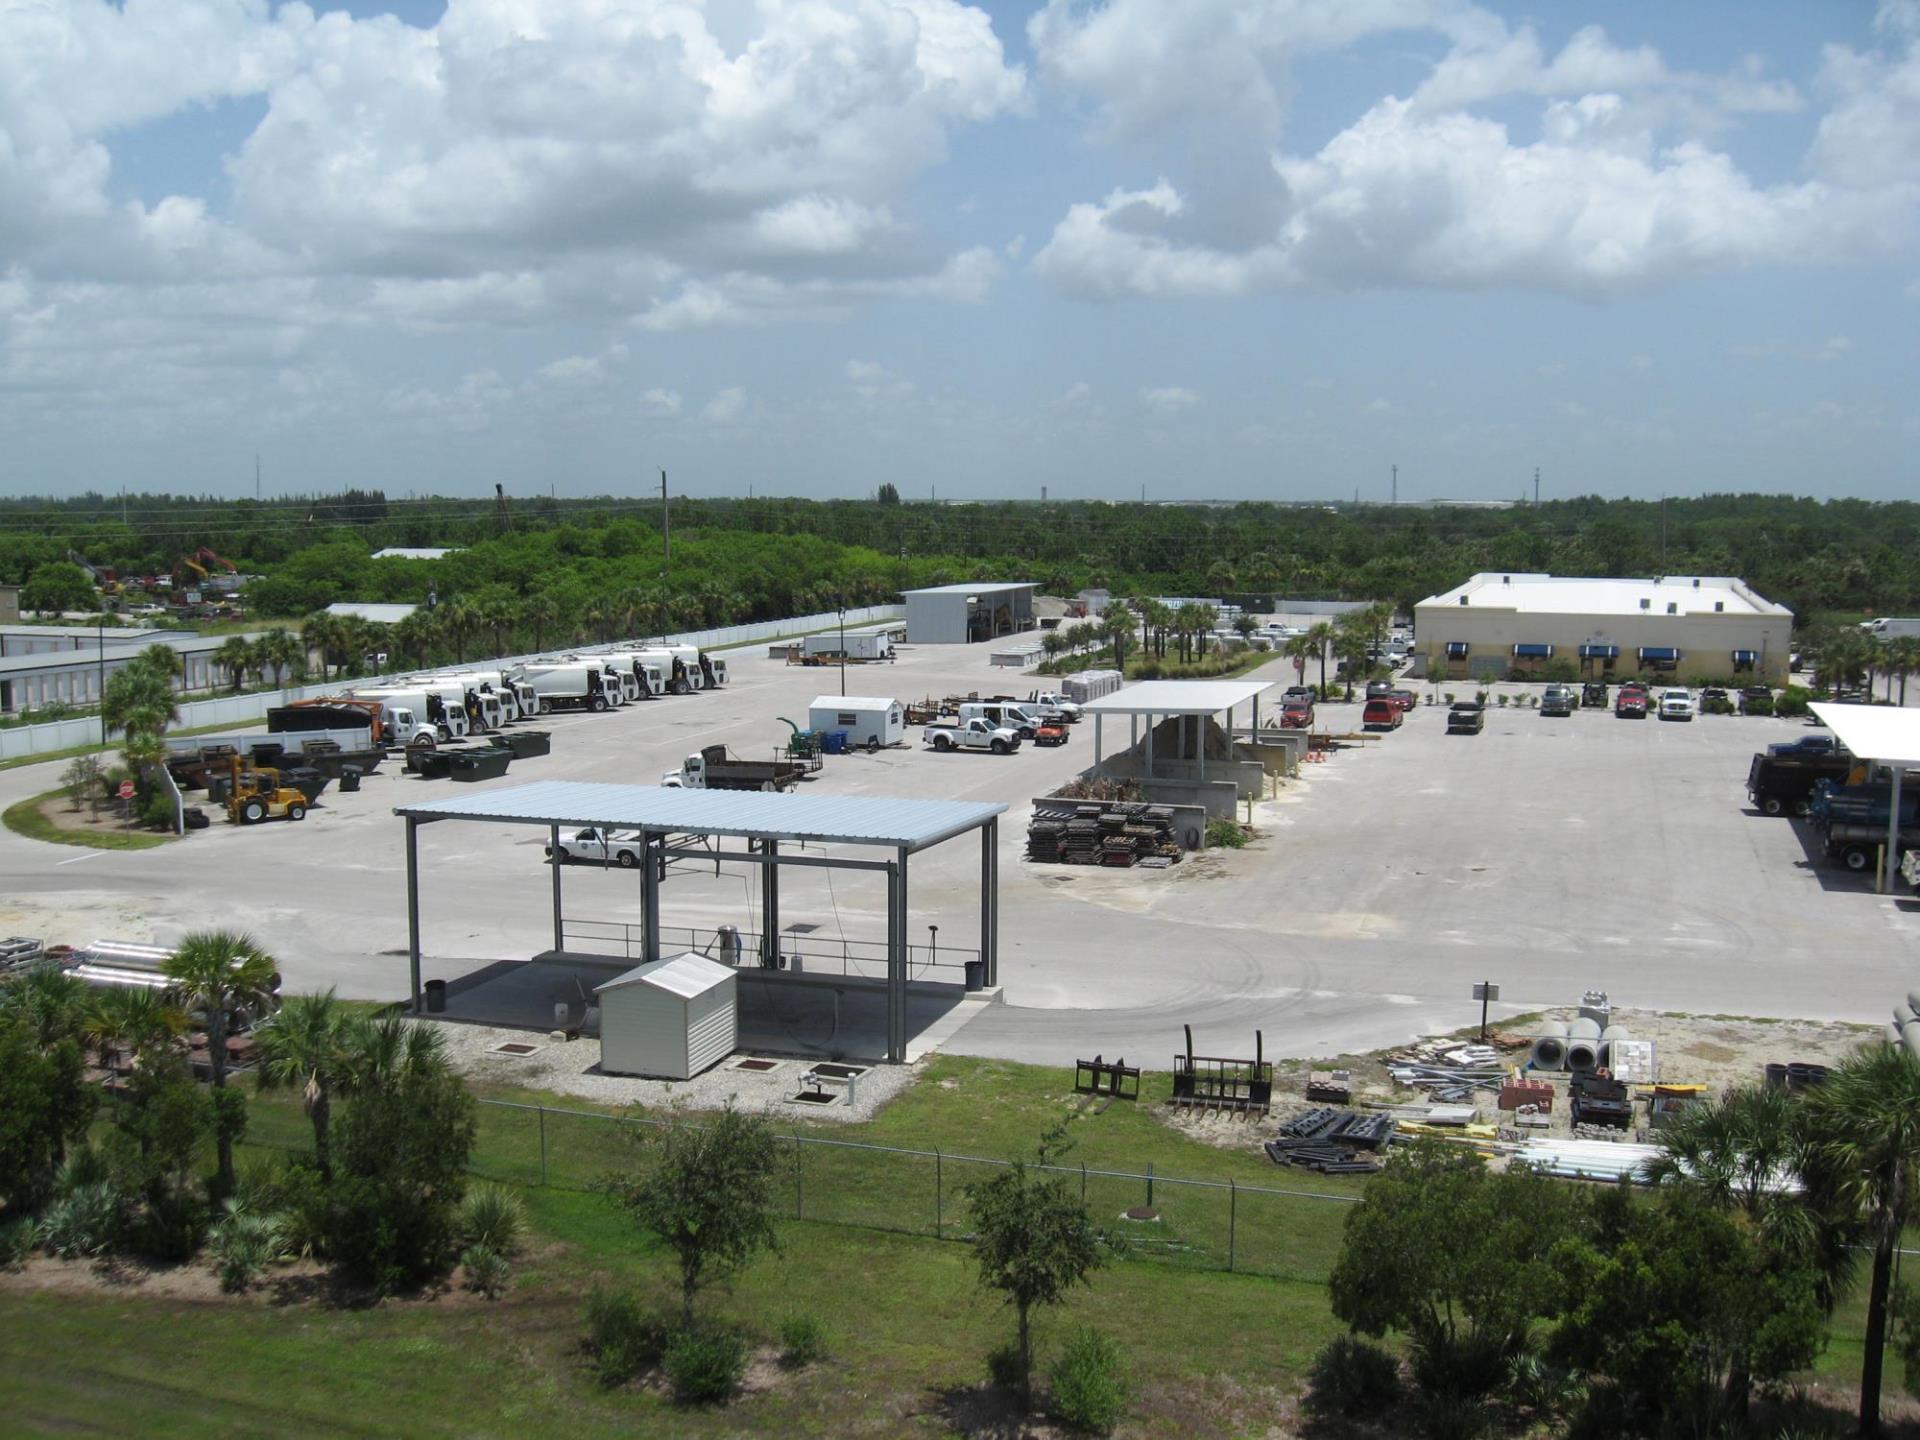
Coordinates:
[349,781]
[436,997]
[976,974]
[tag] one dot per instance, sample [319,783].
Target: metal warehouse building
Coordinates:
[964,614]
[1686,628]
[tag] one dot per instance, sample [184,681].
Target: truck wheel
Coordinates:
[296,812]
[680,687]
[999,747]
[941,742]
[252,812]
[597,704]
[627,859]
[1856,857]
[541,707]
[1772,805]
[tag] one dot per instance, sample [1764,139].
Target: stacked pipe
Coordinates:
[1550,1049]
[1583,1044]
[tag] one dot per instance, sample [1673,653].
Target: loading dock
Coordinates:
[669,822]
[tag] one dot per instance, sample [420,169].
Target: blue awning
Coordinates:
[1746,657]
[1533,652]
[1599,652]
[1456,648]
[1659,652]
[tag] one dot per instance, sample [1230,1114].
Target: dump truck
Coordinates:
[570,685]
[973,734]
[1780,784]
[718,768]
[1852,820]
[254,793]
[649,676]
[442,708]
[341,712]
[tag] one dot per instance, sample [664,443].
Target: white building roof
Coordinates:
[852,702]
[684,975]
[984,587]
[1886,733]
[1178,697]
[1533,594]
[377,614]
[409,552]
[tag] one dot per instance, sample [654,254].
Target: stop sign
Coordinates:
[126,789]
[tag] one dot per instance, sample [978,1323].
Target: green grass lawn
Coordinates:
[25,818]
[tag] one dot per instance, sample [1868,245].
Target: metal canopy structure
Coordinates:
[903,826]
[1191,699]
[1886,736]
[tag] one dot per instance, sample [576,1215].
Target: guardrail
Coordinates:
[807,953]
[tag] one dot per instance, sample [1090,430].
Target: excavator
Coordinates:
[190,572]
[255,794]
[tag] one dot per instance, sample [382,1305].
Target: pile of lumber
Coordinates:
[1111,834]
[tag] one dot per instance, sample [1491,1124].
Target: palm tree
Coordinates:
[1868,1116]
[134,1020]
[1297,649]
[1319,638]
[138,701]
[307,1044]
[381,1049]
[1245,624]
[539,613]
[1117,628]
[235,656]
[456,619]
[321,632]
[1905,660]
[217,972]
[414,635]
[49,1001]
[284,651]
[495,611]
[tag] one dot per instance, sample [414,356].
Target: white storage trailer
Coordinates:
[868,720]
[671,1019]
[860,644]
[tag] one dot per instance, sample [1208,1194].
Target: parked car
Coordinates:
[1296,715]
[1808,747]
[1379,689]
[1381,714]
[1756,700]
[623,847]
[1593,695]
[1676,704]
[1296,692]
[1557,700]
[1631,703]
[1466,717]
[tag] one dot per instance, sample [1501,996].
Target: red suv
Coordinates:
[1296,715]
[1631,703]
[1381,714]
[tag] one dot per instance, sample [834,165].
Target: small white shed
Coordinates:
[670,1019]
[860,644]
[867,719]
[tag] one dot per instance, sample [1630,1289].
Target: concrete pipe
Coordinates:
[1584,1029]
[1550,1049]
[1902,1013]
[1607,1038]
[1913,1001]
[1893,1034]
[1910,1034]
[1583,1055]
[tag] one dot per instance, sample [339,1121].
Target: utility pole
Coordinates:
[256,477]
[1396,484]
[666,519]
[1663,534]
[1536,485]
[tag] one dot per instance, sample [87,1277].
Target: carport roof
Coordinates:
[1884,733]
[847,819]
[1178,697]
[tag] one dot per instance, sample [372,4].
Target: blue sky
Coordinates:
[1225,248]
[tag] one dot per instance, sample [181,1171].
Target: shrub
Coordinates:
[491,1218]
[244,1243]
[1793,701]
[17,1239]
[1003,1366]
[1352,1376]
[1453,1417]
[156,811]
[1089,1386]
[487,1270]
[624,1337]
[803,1340]
[1755,705]
[1228,833]
[704,1363]
[86,1221]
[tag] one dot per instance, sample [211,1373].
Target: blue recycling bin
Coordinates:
[836,742]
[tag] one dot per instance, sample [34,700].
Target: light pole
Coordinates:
[100,681]
[843,645]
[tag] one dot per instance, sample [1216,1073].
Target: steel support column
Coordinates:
[770,905]
[992,943]
[896,957]
[553,850]
[1897,774]
[650,859]
[1150,745]
[1256,717]
[1097,717]
[413,910]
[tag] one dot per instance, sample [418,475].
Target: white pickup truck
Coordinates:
[1053,701]
[971,735]
[598,846]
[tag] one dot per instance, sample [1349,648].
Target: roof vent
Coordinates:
[1506,579]
[1696,582]
[1672,608]
[1463,599]
[1718,606]
[1645,603]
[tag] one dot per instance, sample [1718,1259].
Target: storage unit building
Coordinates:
[858,644]
[868,720]
[670,1019]
[1678,629]
[965,614]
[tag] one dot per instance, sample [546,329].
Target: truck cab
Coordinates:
[1002,715]
[1054,701]
[1676,704]
[974,734]
[592,842]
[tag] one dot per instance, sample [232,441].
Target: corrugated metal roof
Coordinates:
[685,975]
[1178,697]
[1886,733]
[849,819]
[984,587]
[852,702]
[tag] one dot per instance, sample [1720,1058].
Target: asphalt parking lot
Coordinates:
[1547,855]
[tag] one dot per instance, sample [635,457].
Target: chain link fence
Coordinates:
[1291,1234]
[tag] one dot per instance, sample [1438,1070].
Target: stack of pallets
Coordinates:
[1330,1140]
[1114,833]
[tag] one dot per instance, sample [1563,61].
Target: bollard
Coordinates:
[1233,1219]
[543,1145]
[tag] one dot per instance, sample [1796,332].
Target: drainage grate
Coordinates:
[514,1047]
[758,1065]
[815,1097]
[839,1072]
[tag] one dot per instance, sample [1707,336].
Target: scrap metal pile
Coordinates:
[1330,1141]
[1110,834]
[1448,1071]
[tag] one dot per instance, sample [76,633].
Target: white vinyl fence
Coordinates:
[24,740]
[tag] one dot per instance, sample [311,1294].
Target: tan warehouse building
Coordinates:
[1683,628]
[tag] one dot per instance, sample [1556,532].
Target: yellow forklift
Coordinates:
[255,793]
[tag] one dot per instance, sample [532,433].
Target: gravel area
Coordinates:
[572,1067]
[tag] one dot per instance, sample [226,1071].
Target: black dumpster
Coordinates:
[976,974]
[349,781]
[523,743]
[431,764]
[436,997]
[487,764]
